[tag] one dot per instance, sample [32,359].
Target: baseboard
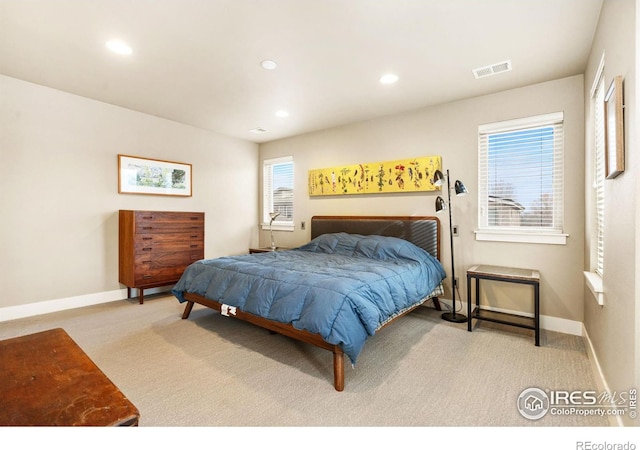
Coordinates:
[35,309]
[550,323]
[62,304]
[603,386]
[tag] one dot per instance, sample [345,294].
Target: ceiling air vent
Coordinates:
[257,130]
[493,69]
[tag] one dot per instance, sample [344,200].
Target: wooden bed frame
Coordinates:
[423,231]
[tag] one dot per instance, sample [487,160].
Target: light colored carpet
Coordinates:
[210,370]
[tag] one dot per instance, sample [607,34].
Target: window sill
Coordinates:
[511,236]
[279,227]
[594,281]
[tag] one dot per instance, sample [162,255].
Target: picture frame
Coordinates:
[137,175]
[614,129]
[381,177]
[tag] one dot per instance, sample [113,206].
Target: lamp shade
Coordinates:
[441,205]
[460,188]
[438,178]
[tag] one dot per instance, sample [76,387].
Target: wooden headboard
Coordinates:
[423,231]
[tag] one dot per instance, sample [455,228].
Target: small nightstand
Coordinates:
[507,275]
[267,249]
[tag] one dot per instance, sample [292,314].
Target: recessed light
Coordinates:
[119,47]
[268,64]
[282,113]
[389,78]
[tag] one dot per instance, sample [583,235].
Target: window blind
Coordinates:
[521,175]
[599,175]
[278,190]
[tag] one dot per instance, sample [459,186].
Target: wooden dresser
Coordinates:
[156,246]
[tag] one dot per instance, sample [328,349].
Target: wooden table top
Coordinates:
[47,380]
[505,272]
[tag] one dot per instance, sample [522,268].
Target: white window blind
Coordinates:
[278,191]
[598,176]
[521,175]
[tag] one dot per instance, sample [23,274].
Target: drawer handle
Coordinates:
[147,238]
[195,218]
[147,228]
[194,245]
[194,236]
[147,249]
[146,277]
[147,217]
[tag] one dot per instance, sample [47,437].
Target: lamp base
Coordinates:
[453,317]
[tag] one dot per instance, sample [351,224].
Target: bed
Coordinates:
[357,275]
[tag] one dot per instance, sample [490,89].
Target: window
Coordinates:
[521,180]
[598,176]
[278,192]
[595,208]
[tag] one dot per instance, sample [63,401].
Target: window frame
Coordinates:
[597,98]
[596,209]
[267,194]
[521,234]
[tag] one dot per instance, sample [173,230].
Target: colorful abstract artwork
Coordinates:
[404,175]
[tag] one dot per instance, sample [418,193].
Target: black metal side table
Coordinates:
[508,275]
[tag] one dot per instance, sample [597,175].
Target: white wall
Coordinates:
[451,130]
[614,328]
[59,194]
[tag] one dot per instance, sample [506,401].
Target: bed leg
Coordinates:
[187,310]
[338,370]
[436,303]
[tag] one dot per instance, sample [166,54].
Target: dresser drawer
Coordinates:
[169,242]
[158,260]
[154,277]
[162,228]
[169,217]
[168,222]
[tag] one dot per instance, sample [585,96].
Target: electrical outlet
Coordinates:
[455,230]
[303,224]
[455,282]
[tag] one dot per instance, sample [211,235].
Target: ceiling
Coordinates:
[198,61]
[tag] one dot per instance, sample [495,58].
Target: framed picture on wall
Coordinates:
[153,176]
[614,129]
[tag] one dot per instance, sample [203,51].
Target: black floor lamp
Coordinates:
[441,205]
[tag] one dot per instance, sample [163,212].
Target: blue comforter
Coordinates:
[341,286]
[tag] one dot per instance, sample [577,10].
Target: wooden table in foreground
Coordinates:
[47,380]
[506,275]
